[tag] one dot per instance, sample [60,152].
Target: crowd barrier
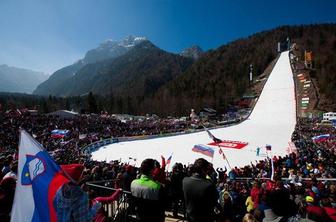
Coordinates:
[118,211]
[122,210]
[284,179]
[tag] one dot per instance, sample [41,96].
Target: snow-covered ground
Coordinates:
[271,122]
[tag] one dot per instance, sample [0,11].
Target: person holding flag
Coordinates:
[47,192]
[71,202]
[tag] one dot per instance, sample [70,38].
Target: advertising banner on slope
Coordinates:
[230,144]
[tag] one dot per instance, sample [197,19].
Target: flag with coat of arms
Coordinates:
[39,178]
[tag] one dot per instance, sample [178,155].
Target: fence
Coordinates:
[120,210]
[123,210]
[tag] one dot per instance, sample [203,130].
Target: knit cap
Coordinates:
[309,199]
[73,170]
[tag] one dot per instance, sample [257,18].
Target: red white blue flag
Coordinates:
[57,133]
[169,159]
[208,151]
[39,178]
[321,138]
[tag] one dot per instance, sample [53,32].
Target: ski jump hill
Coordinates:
[272,122]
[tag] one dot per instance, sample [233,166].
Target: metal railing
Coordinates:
[123,209]
[120,210]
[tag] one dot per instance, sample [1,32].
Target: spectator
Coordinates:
[148,194]
[13,170]
[7,190]
[200,194]
[249,218]
[71,202]
[176,187]
[128,177]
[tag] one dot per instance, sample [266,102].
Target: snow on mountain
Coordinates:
[111,49]
[193,52]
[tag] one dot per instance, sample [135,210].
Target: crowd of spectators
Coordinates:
[83,130]
[306,193]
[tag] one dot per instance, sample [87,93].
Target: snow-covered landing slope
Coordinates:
[271,122]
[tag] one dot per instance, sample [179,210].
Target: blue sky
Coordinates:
[46,35]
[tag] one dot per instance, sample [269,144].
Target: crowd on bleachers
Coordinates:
[83,130]
[301,196]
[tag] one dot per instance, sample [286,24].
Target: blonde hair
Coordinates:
[249,218]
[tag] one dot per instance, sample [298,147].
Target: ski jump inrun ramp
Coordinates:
[272,121]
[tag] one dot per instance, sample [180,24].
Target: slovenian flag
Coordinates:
[57,133]
[321,138]
[199,148]
[39,178]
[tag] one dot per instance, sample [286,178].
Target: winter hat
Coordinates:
[8,183]
[129,168]
[309,199]
[73,170]
[270,216]
[315,190]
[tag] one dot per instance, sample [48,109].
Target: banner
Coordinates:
[230,144]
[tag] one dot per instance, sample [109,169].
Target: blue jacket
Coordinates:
[72,204]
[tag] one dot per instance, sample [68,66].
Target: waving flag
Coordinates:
[59,133]
[169,159]
[215,139]
[39,178]
[321,138]
[222,153]
[199,148]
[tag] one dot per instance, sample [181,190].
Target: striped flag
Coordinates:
[222,153]
[320,138]
[169,159]
[208,151]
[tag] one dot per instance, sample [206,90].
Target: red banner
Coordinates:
[230,144]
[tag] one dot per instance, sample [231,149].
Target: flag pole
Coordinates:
[214,138]
[225,158]
[168,165]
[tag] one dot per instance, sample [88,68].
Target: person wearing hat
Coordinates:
[148,195]
[71,202]
[315,212]
[128,177]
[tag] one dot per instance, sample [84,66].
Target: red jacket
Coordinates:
[331,212]
[318,212]
[255,193]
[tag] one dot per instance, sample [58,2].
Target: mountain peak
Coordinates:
[131,41]
[193,52]
[111,49]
